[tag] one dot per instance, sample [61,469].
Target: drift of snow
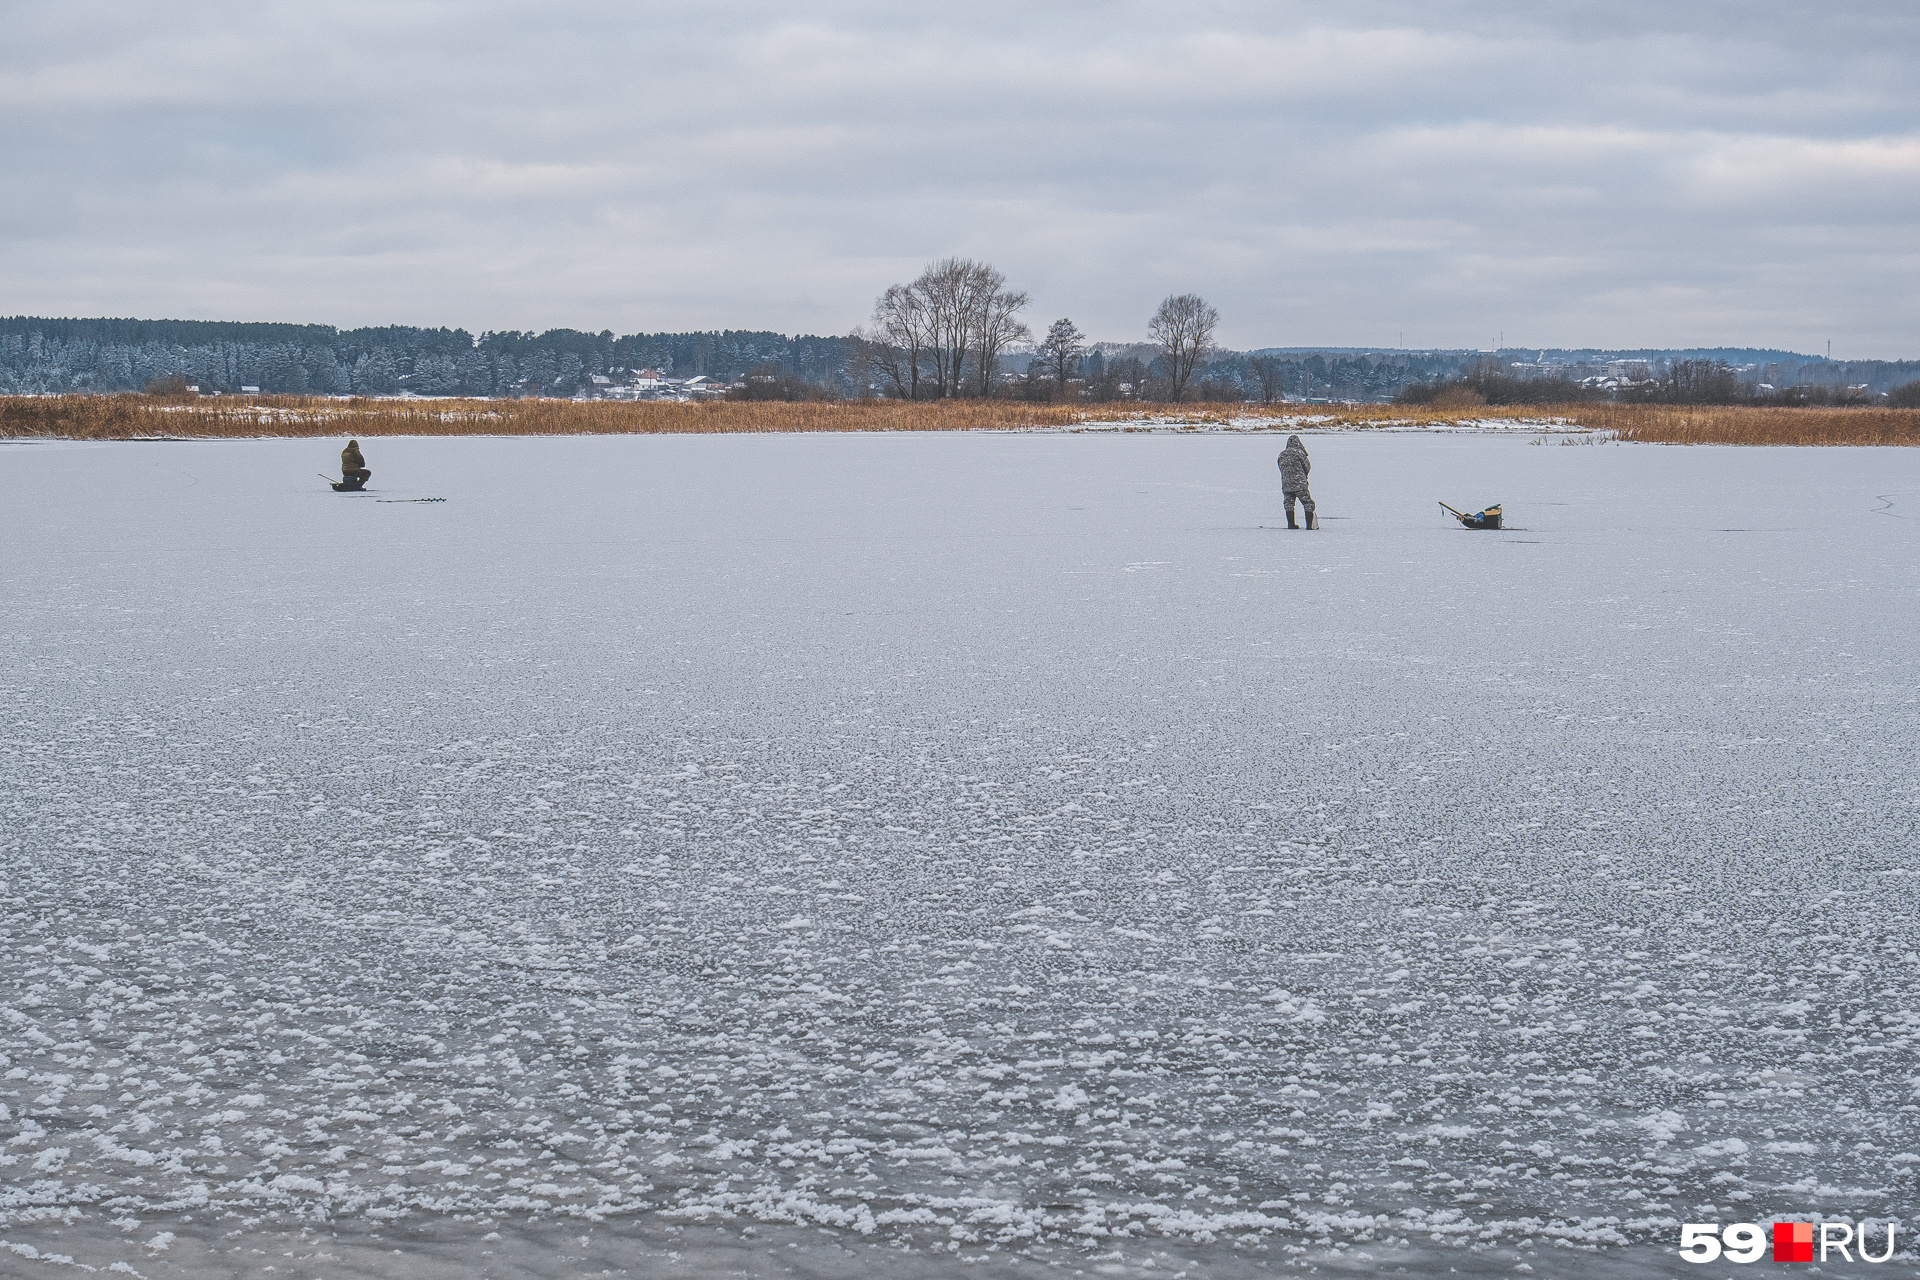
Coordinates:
[1008,846]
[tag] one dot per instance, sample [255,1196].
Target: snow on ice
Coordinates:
[864,855]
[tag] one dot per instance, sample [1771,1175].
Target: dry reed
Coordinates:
[128,417]
[1752,425]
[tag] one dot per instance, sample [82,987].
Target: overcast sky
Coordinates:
[1694,172]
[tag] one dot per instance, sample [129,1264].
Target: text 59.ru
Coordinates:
[1792,1242]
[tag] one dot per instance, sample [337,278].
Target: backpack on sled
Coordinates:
[1488,519]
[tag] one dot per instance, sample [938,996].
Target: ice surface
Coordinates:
[857,855]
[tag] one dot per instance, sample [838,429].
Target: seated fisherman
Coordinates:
[353,467]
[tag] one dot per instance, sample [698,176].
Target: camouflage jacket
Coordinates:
[1294,465]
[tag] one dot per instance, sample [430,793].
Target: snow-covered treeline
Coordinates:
[45,355]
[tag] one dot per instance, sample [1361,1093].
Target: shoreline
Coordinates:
[137,417]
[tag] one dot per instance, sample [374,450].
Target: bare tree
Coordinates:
[995,324]
[876,366]
[1064,345]
[956,316]
[898,341]
[1183,326]
[946,290]
[1267,372]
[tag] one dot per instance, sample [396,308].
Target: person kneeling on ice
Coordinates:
[1294,467]
[353,467]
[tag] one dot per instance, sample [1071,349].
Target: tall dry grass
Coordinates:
[1751,425]
[123,417]
[127,417]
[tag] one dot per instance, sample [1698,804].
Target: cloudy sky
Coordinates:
[1693,172]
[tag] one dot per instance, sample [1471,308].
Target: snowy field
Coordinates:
[990,855]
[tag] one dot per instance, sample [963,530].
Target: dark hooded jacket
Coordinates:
[350,459]
[1294,466]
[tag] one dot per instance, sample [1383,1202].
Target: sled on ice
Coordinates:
[1488,519]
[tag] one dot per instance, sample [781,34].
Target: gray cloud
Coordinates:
[1618,174]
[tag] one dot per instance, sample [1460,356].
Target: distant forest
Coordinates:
[39,356]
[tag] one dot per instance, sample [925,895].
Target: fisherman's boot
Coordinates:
[1290,523]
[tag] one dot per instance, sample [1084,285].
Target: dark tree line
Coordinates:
[1694,380]
[965,310]
[1490,382]
[1142,372]
[38,356]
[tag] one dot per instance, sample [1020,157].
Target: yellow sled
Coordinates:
[1488,519]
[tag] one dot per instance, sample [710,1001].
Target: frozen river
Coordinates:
[874,855]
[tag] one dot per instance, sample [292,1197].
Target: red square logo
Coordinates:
[1793,1242]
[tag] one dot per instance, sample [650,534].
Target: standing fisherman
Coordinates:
[1294,467]
[353,467]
